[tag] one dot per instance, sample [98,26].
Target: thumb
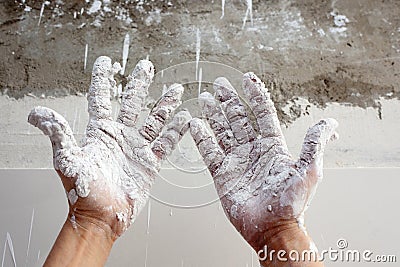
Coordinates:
[311,155]
[56,127]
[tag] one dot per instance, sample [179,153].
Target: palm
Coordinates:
[108,179]
[259,183]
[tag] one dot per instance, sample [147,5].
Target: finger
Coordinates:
[161,112]
[234,110]
[208,147]
[218,123]
[136,91]
[314,144]
[172,134]
[53,125]
[62,139]
[99,96]
[262,106]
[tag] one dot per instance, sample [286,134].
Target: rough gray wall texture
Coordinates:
[342,56]
[324,51]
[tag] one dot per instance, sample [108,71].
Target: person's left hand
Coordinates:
[109,177]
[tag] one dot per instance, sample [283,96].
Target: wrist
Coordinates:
[81,242]
[88,227]
[284,244]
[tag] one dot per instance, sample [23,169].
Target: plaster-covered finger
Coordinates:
[314,144]
[162,112]
[136,91]
[262,106]
[65,149]
[208,147]
[53,125]
[172,134]
[234,110]
[99,96]
[217,120]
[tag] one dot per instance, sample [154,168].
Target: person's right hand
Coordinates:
[262,189]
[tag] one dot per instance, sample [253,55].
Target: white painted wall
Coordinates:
[359,205]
